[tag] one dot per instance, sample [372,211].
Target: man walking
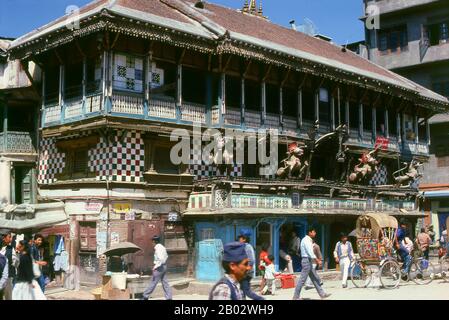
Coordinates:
[159,271]
[424,242]
[344,255]
[308,257]
[236,266]
[244,238]
[319,256]
[37,255]
[8,250]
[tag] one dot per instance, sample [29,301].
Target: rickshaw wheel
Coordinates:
[422,272]
[390,274]
[361,274]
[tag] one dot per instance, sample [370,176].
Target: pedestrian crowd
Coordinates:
[21,264]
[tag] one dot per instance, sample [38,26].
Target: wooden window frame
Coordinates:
[70,147]
[388,33]
[150,151]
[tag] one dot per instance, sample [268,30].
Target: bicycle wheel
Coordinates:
[422,272]
[390,274]
[361,275]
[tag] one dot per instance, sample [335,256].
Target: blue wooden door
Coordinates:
[208,266]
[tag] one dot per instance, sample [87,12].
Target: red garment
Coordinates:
[263,256]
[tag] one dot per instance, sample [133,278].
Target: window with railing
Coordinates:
[94,74]
[325,106]
[367,118]
[354,115]
[272,98]
[51,84]
[252,95]
[290,102]
[393,40]
[380,121]
[308,104]
[233,91]
[392,122]
[194,83]
[438,33]
[73,81]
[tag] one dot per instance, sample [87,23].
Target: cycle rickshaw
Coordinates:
[376,236]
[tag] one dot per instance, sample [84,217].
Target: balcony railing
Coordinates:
[272,121]
[52,113]
[232,116]
[193,112]
[162,107]
[17,142]
[253,119]
[290,125]
[127,103]
[73,108]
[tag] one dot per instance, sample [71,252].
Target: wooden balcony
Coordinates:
[17,142]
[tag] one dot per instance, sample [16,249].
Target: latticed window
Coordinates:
[80,159]
[443,162]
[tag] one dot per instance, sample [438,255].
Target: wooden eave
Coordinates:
[110,22]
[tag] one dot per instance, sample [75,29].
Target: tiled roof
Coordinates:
[213,21]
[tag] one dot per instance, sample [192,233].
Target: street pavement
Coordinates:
[437,290]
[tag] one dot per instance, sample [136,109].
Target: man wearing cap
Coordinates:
[236,266]
[159,271]
[244,238]
[344,255]
[308,258]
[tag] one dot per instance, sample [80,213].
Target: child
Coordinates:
[270,276]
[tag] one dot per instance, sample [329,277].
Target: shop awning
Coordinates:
[293,212]
[22,217]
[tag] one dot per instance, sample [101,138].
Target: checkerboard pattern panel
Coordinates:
[51,162]
[119,160]
[128,73]
[380,177]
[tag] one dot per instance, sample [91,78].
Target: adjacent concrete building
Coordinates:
[413,41]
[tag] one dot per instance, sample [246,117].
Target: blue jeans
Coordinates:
[41,281]
[406,259]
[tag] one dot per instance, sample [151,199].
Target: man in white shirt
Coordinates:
[308,258]
[159,271]
[344,255]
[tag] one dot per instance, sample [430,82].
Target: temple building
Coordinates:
[119,81]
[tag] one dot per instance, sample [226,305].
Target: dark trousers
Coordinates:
[245,285]
[426,254]
[41,281]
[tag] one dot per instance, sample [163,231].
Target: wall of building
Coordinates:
[437,169]
[410,57]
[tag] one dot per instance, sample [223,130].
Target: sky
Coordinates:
[337,19]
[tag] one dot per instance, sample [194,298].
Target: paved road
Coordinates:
[437,290]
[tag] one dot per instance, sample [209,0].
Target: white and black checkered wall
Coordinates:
[51,162]
[118,159]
